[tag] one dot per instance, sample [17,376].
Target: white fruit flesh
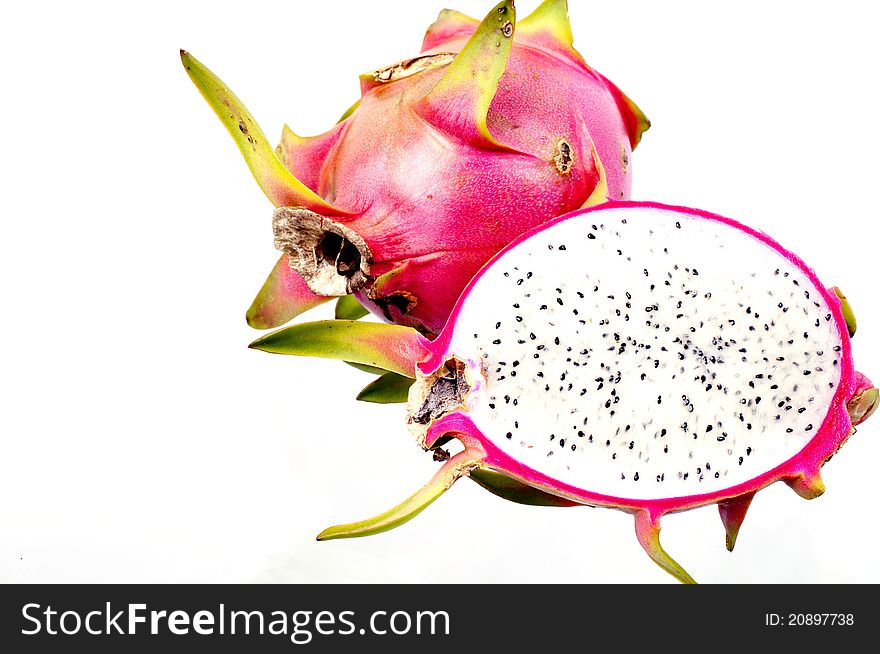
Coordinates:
[644,353]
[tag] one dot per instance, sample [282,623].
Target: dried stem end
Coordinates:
[333,259]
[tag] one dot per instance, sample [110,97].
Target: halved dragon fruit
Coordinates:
[694,361]
[447,157]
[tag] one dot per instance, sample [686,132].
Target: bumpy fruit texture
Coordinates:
[693,362]
[496,128]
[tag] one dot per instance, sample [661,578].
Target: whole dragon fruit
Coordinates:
[495,128]
[694,362]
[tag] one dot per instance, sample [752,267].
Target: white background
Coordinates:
[142,441]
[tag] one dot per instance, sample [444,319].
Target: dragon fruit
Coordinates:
[495,128]
[694,362]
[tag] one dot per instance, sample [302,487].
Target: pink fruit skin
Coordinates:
[437,208]
[861,383]
[553,74]
[801,471]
